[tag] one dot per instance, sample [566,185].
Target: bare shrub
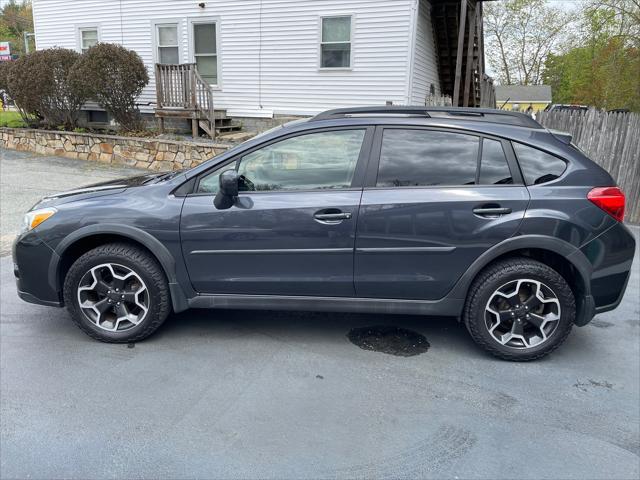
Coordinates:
[115,77]
[39,83]
[23,105]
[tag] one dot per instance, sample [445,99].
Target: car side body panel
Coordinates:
[271,243]
[151,220]
[427,227]
[415,243]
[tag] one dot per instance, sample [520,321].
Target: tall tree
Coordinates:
[601,67]
[519,35]
[15,19]
[612,18]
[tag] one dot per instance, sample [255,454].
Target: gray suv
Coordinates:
[483,215]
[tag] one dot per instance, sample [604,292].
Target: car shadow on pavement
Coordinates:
[304,329]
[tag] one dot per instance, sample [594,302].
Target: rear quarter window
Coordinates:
[537,166]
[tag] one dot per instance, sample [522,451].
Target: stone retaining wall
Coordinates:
[151,153]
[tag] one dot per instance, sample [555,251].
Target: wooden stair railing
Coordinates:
[182,92]
[203,99]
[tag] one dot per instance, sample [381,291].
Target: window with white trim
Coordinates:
[167,43]
[335,42]
[205,51]
[88,38]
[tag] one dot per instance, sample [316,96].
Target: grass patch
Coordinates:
[11,119]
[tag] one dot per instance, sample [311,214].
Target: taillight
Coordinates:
[609,199]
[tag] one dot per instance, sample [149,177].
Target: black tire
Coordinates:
[135,259]
[500,273]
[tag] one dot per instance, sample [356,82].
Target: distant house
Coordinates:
[270,58]
[522,97]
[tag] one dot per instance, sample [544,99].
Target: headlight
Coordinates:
[35,217]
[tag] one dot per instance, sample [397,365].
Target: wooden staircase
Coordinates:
[182,93]
[457,26]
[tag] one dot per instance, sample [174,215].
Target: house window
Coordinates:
[335,44]
[168,49]
[205,51]
[88,38]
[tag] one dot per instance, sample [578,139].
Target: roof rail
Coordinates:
[458,113]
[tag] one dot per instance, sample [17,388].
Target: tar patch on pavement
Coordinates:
[585,386]
[392,340]
[601,324]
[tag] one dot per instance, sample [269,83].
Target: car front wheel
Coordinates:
[117,293]
[519,309]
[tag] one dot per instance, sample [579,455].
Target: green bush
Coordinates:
[39,83]
[114,77]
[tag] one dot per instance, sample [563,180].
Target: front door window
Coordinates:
[205,51]
[314,161]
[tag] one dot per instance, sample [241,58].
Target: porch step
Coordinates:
[233,127]
[206,126]
[227,126]
[236,137]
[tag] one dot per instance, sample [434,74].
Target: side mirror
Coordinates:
[228,190]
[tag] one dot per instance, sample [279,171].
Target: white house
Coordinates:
[262,58]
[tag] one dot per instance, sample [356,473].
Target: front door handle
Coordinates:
[491,211]
[331,216]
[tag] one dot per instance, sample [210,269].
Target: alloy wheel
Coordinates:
[113,297]
[522,314]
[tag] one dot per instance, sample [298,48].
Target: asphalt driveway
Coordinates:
[243,394]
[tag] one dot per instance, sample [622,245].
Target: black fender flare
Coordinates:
[161,253]
[570,252]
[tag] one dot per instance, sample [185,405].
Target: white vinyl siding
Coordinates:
[425,61]
[264,65]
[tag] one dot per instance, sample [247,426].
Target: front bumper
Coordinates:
[31,260]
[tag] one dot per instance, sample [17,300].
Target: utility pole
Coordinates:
[25,37]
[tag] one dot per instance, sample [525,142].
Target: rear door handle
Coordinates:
[491,211]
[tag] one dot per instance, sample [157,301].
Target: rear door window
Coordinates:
[537,166]
[413,157]
[494,169]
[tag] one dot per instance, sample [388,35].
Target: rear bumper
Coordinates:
[611,256]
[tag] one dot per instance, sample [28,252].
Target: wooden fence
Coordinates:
[610,139]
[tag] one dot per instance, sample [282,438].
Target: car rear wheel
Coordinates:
[117,293]
[519,309]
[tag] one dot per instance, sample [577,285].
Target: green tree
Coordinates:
[602,67]
[15,19]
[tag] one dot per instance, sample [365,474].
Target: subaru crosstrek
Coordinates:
[483,215]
